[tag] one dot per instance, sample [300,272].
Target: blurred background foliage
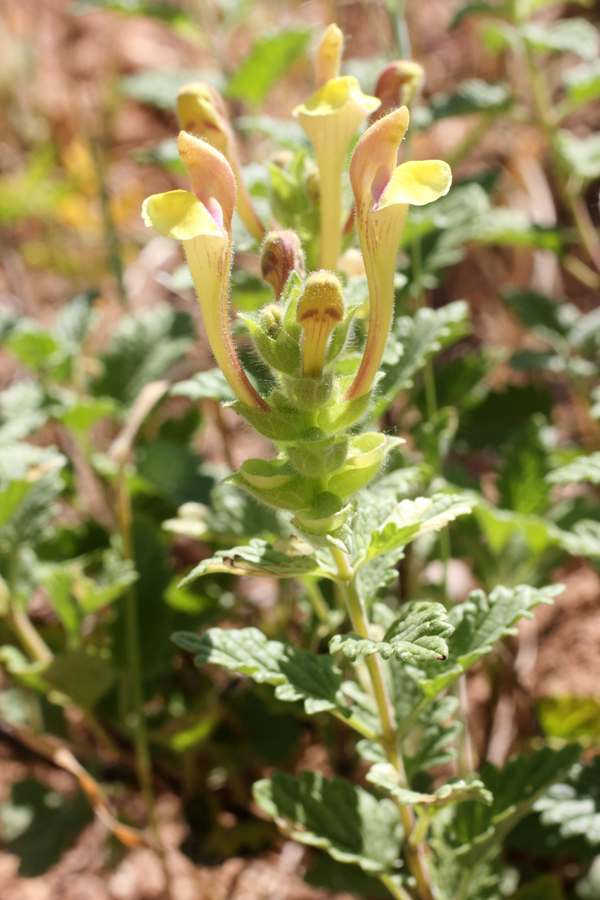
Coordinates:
[113,442]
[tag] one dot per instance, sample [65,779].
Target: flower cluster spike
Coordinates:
[201,111]
[383,192]
[201,219]
[281,255]
[398,85]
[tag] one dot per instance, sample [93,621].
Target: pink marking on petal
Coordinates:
[380,182]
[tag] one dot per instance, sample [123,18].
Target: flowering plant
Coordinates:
[422,837]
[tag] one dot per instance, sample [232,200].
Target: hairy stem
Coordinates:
[415,853]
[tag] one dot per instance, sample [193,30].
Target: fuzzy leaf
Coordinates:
[432,741]
[582,155]
[345,821]
[296,674]
[574,35]
[584,468]
[417,634]
[257,558]
[574,805]
[477,831]
[269,59]
[583,83]
[583,540]
[471,96]
[416,338]
[479,623]
[385,777]
[412,518]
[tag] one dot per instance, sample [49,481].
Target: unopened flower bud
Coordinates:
[329,55]
[281,255]
[398,85]
[320,309]
[202,112]
[271,319]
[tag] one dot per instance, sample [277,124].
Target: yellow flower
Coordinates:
[320,309]
[383,192]
[329,55]
[331,117]
[201,219]
[202,112]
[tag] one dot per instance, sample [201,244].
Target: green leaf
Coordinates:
[479,623]
[35,348]
[78,414]
[142,348]
[416,339]
[477,830]
[432,741]
[583,83]
[513,228]
[74,321]
[477,7]
[472,96]
[570,718]
[582,155]
[31,508]
[547,887]
[269,60]
[584,468]
[257,558]
[166,12]
[385,777]
[23,409]
[82,676]
[210,385]
[40,824]
[344,820]
[503,528]
[574,35]
[296,674]
[411,518]
[340,878]
[417,634]
[583,539]
[521,486]
[158,87]
[542,314]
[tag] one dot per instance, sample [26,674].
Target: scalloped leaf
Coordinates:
[296,674]
[479,623]
[418,634]
[583,540]
[574,35]
[257,558]
[476,831]
[385,777]
[574,805]
[347,822]
[584,468]
[416,339]
[411,518]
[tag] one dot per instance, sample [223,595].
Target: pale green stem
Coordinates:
[316,598]
[396,890]
[415,854]
[546,119]
[331,212]
[134,678]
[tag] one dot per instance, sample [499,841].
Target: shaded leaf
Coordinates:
[385,777]
[477,830]
[584,468]
[479,623]
[82,676]
[582,83]
[582,155]
[344,820]
[573,35]
[574,805]
[296,674]
[269,59]
[412,518]
[256,558]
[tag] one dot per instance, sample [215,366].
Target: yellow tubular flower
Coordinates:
[331,117]
[201,219]
[202,112]
[320,309]
[329,55]
[383,192]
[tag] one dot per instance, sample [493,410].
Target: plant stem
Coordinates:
[546,119]
[20,622]
[415,853]
[316,598]
[134,678]
[396,890]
